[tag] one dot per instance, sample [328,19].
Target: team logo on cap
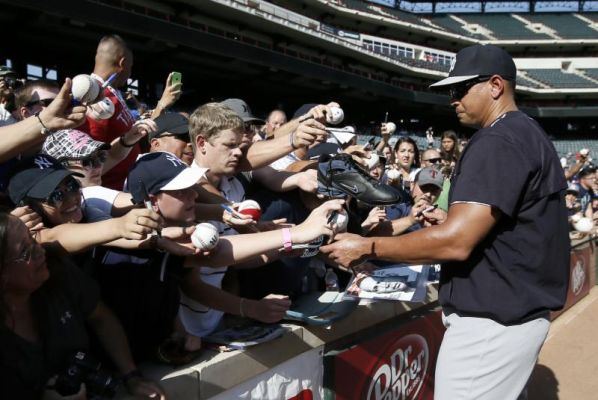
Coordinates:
[453,62]
[42,162]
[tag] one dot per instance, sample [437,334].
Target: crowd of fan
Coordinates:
[95,234]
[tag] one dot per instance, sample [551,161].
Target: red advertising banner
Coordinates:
[580,269]
[397,365]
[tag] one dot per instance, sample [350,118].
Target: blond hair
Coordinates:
[210,119]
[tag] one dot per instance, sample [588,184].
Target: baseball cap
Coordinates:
[479,60]
[36,177]
[160,171]
[242,109]
[71,144]
[4,70]
[573,188]
[171,124]
[429,176]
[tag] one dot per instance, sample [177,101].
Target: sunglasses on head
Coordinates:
[459,90]
[57,196]
[42,102]
[91,162]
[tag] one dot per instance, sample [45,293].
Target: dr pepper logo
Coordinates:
[399,375]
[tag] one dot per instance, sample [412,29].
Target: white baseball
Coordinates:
[205,236]
[103,109]
[340,221]
[249,204]
[85,89]
[373,160]
[391,127]
[584,225]
[335,116]
[584,152]
[393,174]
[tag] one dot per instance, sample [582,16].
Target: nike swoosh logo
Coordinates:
[353,188]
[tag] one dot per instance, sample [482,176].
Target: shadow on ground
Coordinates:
[543,384]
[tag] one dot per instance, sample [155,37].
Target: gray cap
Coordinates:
[243,110]
[429,176]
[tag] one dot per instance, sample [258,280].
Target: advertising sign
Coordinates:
[398,365]
[579,277]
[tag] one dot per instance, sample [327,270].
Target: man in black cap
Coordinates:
[504,246]
[172,135]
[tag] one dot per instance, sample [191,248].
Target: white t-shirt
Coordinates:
[198,319]
[99,197]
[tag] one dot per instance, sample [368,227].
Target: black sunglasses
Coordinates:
[42,102]
[459,90]
[57,196]
[434,160]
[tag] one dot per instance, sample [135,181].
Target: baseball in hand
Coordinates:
[584,225]
[252,208]
[205,237]
[340,221]
[393,174]
[335,116]
[391,128]
[584,152]
[103,109]
[85,89]
[373,160]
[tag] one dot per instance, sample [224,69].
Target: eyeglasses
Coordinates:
[57,196]
[27,254]
[459,90]
[433,160]
[42,102]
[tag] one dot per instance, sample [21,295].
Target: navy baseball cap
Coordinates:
[479,60]
[160,171]
[36,178]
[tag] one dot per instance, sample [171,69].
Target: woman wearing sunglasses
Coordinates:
[54,194]
[90,159]
[45,304]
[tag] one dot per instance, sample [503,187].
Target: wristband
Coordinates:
[287,243]
[292,142]
[45,130]
[122,142]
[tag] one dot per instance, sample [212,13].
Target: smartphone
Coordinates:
[176,77]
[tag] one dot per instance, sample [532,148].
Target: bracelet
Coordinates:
[292,142]
[122,142]
[45,130]
[132,374]
[287,243]
[241,307]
